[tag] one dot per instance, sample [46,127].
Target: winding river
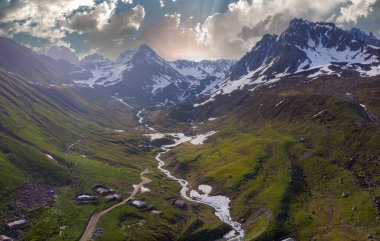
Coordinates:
[219,203]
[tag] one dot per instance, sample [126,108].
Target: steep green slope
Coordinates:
[37,120]
[20,60]
[93,139]
[298,159]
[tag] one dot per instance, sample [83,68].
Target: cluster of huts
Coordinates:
[108,193]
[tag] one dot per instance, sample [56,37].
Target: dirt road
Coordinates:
[91,225]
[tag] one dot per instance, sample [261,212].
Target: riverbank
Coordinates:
[220,204]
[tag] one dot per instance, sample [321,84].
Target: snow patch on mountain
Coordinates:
[200,139]
[324,70]
[146,78]
[306,49]
[373,71]
[192,70]
[160,82]
[204,102]
[103,72]
[203,69]
[318,55]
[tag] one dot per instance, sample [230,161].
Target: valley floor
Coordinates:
[293,162]
[67,153]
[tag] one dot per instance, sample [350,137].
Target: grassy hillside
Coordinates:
[22,61]
[299,160]
[93,139]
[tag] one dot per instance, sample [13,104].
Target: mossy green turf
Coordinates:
[286,169]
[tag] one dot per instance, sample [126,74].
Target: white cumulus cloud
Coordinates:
[222,35]
[357,9]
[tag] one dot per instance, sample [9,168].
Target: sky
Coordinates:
[176,29]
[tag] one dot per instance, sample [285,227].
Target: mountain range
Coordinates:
[305,48]
[286,139]
[308,49]
[143,77]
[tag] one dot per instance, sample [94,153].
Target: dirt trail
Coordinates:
[91,225]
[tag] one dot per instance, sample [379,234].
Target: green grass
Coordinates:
[279,186]
[293,188]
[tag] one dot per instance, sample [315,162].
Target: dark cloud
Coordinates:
[272,24]
[82,23]
[119,34]
[193,29]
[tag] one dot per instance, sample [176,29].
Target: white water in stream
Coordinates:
[368,113]
[219,203]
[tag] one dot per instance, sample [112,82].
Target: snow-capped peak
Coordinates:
[93,58]
[304,48]
[141,74]
[126,56]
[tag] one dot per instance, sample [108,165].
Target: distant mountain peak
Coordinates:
[145,78]
[142,50]
[296,22]
[203,69]
[93,57]
[64,53]
[145,47]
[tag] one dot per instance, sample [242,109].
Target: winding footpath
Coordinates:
[92,222]
[219,203]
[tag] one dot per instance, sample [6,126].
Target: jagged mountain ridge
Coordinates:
[304,45]
[367,38]
[203,69]
[150,77]
[139,75]
[145,78]
[306,48]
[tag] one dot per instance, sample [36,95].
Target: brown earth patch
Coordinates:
[34,195]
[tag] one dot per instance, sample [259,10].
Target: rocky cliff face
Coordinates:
[304,45]
[144,78]
[367,38]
